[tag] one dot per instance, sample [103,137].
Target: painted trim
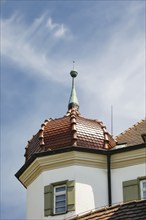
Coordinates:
[81,149]
[64,160]
[123,157]
[126,159]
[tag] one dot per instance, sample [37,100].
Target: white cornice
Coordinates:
[128,158]
[61,160]
[50,162]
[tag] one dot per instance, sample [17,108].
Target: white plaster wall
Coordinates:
[123,174]
[35,199]
[91,188]
[90,184]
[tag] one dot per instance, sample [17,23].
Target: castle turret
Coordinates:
[65,170]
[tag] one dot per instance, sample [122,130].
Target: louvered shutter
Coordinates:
[70,195]
[131,190]
[48,200]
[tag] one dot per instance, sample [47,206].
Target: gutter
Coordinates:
[109,154]
[109,179]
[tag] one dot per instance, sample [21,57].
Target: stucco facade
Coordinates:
[90,185]
[89,171]
[120,175]
[89,190]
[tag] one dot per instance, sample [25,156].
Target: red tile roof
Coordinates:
[132,136]
[71,130]
[134,210]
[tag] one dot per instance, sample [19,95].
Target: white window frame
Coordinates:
[59,194]
[142,189]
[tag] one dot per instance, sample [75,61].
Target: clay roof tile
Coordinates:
[133,135]
[70,130]
[134,210]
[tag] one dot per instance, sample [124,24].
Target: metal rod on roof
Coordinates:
[112,120]
[73,65]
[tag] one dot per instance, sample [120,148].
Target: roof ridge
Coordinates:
[105,132]
[73,123]
[41,132]
[70,110]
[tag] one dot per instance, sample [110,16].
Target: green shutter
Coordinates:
[130,190]
[70,195]
[48,200]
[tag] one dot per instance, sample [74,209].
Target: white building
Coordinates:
[74,165]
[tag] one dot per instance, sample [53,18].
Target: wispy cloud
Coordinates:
[116,67]
[59,30]
[29,45]
[117,72]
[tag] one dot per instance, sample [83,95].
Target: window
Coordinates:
[143,189]
[134,189]
[59,198]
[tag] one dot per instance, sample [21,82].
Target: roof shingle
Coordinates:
[70,130]
[132,136]
[135,210]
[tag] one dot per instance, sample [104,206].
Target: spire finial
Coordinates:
[73,101]
[73,64]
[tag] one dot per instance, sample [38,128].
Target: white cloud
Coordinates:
[109,74]
[25,45]
[116,75]
[50,24]
[59,30]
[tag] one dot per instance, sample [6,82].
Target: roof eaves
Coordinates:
[57,151]
[125,149]
[81,149]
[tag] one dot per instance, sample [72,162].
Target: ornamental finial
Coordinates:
[73,101]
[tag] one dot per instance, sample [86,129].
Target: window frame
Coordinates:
[135,186]
[49,197]
[55,194]
[142,189]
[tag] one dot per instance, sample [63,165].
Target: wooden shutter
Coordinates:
[130,190]
[48,200]
[70,195]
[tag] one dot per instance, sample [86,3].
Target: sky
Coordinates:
[39,42]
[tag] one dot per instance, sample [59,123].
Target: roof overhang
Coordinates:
[37,163]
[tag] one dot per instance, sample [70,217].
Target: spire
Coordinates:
[73,101]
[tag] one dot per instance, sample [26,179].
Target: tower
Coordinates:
[65,172]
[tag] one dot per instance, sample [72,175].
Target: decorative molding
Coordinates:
[59,161]
[129,158]
[50,162]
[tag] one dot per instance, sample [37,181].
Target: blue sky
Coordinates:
[39,41]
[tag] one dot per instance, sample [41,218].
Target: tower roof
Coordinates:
[72,130]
